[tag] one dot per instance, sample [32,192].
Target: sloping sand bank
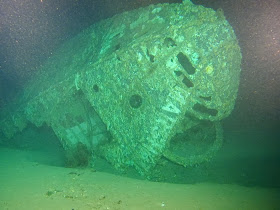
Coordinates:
[29,185]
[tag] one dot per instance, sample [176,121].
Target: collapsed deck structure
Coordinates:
[145,84]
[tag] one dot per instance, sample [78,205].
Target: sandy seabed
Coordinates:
[25,184]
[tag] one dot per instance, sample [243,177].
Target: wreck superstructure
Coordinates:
[145,84]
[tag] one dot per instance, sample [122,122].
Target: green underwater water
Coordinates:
[249,157]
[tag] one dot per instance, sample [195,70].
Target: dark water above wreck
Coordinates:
[250,153]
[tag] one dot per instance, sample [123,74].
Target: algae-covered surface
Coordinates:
[27,184]
[147,80]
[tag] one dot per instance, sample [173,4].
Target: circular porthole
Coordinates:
[135,101]
[95,88]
